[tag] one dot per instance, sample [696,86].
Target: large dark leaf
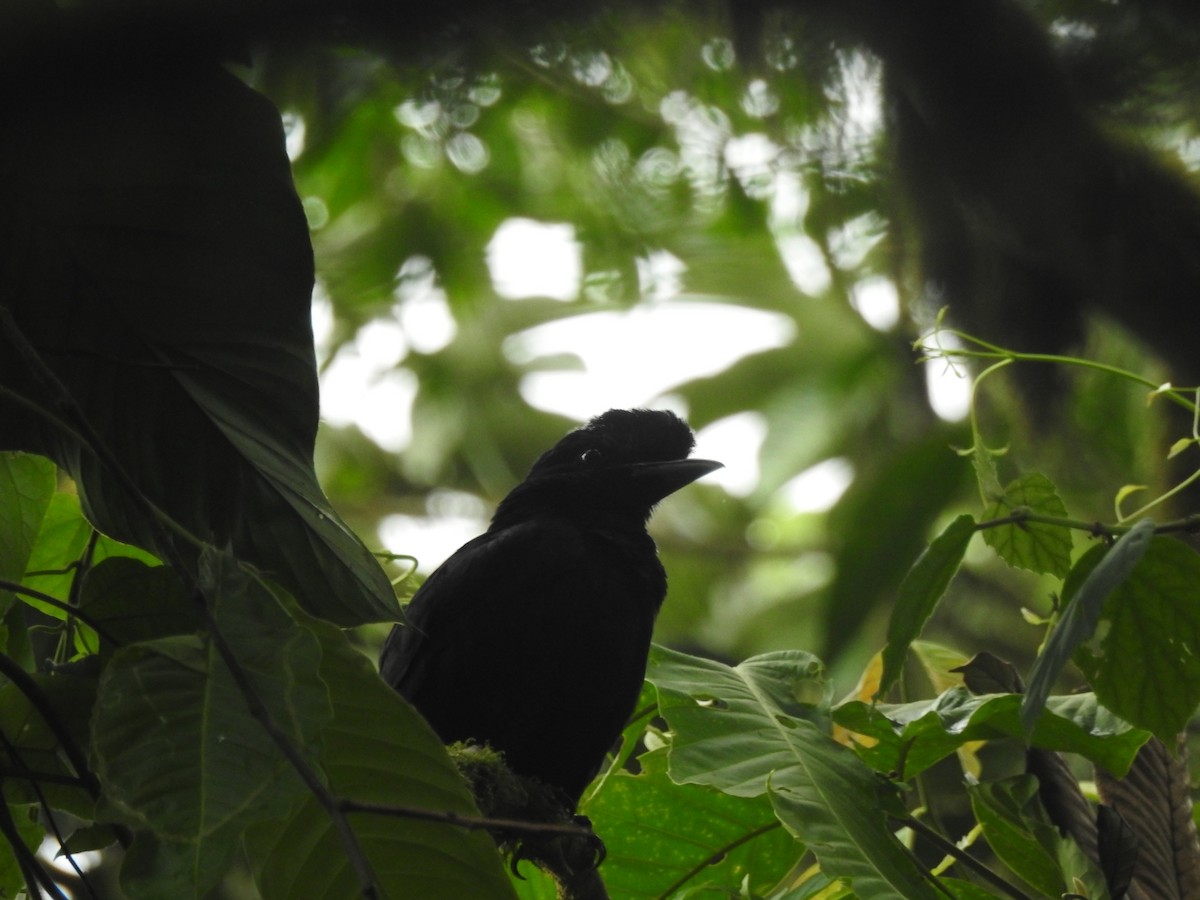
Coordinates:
[157,258]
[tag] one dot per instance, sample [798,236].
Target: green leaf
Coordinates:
[1019,831]
[747,730]
[68,695]
[182,760]
[920,591]
[131,602]
[62,540]
[12,880]
[26,486]
[377,749]
[916,735]
[662,837]
[1079,621]
[159,218]
[1031,545]
[1147,666]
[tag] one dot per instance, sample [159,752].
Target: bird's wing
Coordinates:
[528,636]
[485,584]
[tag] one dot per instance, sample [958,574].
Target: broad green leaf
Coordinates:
[1031,545]
[737,748]
[748,729]
[377,749]
[832,810]
[182,760]
[663,837]
[916,735]
[159,218]
[130,602]
[920,592]
[26,486]
[1147,665]
[1082,614]
[1019,831]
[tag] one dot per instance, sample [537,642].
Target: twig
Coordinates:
[18,588]
[470,823]
[31,689]
[31,870]
[49,813]
[1187,525]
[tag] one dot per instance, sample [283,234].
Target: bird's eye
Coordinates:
[590,457]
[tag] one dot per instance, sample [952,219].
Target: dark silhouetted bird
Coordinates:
[533,637]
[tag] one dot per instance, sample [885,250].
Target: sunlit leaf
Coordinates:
[26,486]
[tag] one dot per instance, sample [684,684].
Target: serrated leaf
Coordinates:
[920,592]
[917,735]
[1147,666]
[1082,614]
[748,729]
[1031,545]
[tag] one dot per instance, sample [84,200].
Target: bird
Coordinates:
[533,637]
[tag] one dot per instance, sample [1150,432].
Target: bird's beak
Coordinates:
[656,480]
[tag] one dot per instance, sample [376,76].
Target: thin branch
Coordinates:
[49,813]
[1187,525]
[18,588]
[31,689]
[31,869]
[470,823]
[24,774]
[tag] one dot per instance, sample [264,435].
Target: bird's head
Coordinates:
[619,464]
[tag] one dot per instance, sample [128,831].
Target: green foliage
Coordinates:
[1035,546]
[175,676]
[920,592]
[1082,614]
[1153,617]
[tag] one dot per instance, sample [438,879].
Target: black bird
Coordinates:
[533,637]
